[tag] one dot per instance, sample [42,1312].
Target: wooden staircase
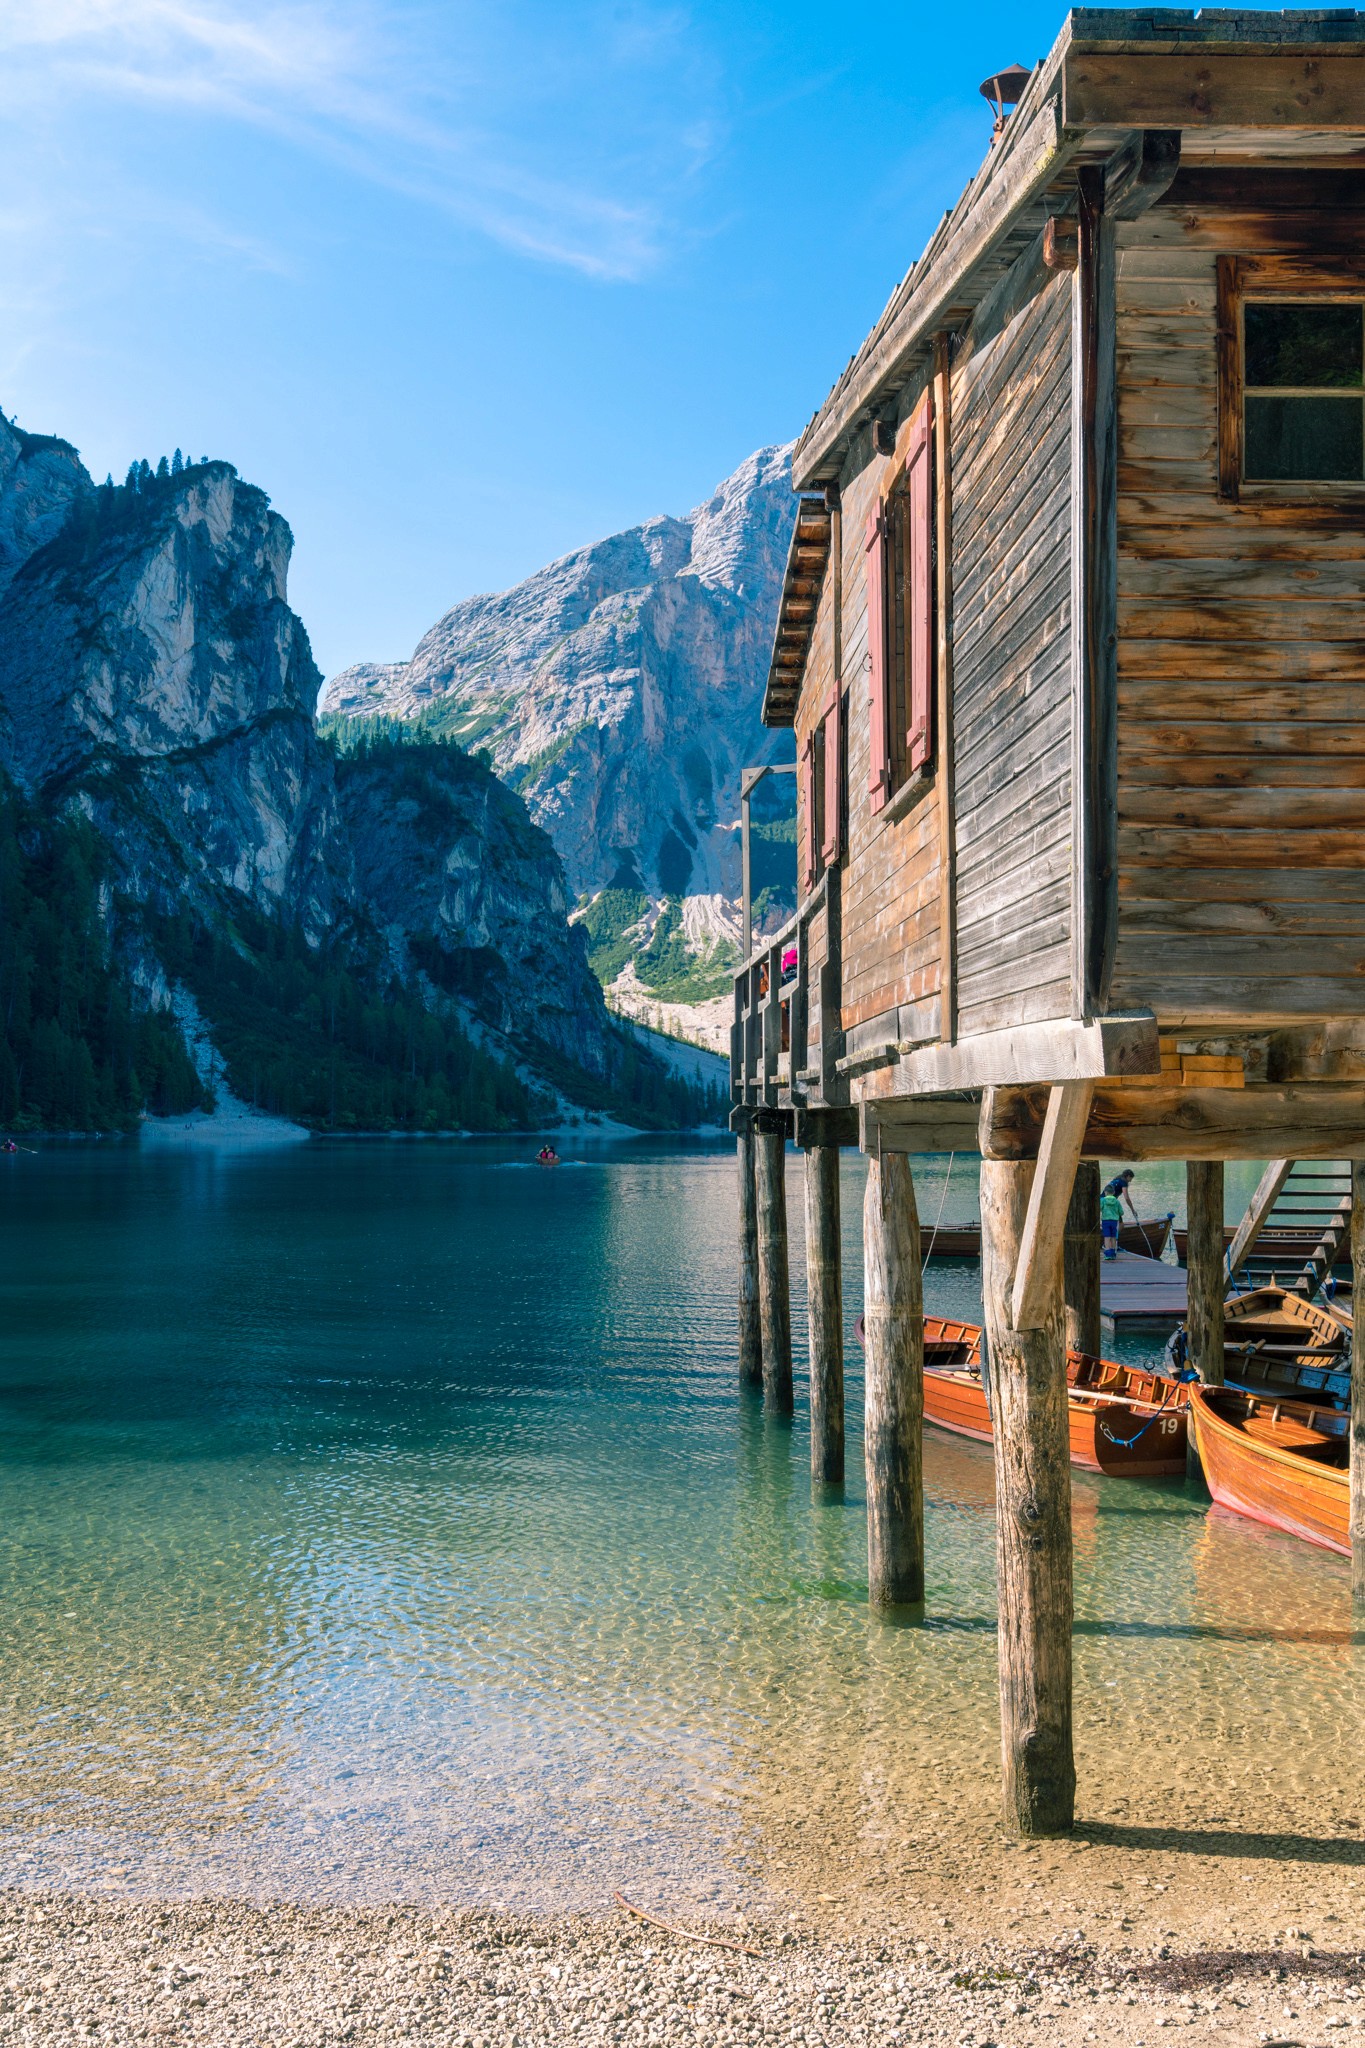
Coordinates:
[1297,1226]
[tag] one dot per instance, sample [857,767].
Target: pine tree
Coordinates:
[144,472]
[163,468]
[177,463]
[130,481]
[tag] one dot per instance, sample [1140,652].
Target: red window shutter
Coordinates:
[834,779]
[879,724]
[808,815]
[919,636]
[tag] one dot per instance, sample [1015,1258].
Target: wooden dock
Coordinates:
[1141,1294]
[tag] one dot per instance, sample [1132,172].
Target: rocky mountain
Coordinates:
[618,690]
[157,699]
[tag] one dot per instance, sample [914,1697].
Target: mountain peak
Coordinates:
[618,687]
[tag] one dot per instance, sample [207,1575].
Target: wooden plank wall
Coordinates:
[891,900]
[1012,664]
[1241,749]
[815,689]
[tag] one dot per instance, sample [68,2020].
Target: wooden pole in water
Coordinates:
[1204,1261]
[774,1286]
[1026,1372]
[893,1346]
[1081,1261]
[1358,1386]
[750,1324]
[825,1298]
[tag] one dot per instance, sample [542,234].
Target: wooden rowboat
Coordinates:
[1278,1343]
[1279,1462]
[963,1240]
[1125,1422]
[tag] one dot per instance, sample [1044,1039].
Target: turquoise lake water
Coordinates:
[384,1521]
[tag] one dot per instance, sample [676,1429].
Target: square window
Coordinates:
[1308,440]
[1321,345]
[1302,378]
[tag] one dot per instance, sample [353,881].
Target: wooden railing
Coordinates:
[774,1061]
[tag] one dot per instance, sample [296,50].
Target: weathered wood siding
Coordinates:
[1011,487]
[1241,677]
[891,906]
[815,688]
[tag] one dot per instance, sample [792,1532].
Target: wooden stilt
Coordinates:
[1358,1386]
[825,1298]
[1206,1270]
[774,1286]
[750,1324]
[1026,1372]
[1081,1261]
[893,1325]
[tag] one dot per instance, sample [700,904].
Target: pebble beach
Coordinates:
[91,1969]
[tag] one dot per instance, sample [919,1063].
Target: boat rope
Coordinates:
[1170,1219]
[942,1201]
[1125,1443]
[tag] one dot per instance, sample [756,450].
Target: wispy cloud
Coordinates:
[560,138]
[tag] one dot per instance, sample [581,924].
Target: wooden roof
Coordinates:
[807,560]
[1239,85]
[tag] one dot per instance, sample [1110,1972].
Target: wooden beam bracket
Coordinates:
[1040,1249]
[1142,172]
[1061,243]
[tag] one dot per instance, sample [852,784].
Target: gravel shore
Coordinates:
[80,1969]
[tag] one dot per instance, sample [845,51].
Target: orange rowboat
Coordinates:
[1124,1422]
[1279,1462]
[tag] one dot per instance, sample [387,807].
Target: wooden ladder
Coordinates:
[1310,1198]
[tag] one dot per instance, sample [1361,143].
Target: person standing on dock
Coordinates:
[1112,1198]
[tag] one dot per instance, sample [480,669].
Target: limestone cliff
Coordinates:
[154,679]
[619,691]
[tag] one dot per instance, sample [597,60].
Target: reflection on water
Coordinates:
[385,1520]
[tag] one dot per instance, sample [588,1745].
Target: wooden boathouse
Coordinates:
[1072,642]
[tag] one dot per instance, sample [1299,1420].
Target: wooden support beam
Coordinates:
[893,1341]
[1026,1372]
[1204,1261]
[1267,1194]
[825,1311]
[933,1125]
[825,1127]
[1300,1120]
[1357,1520]
[1059,1154]
[1081,1261]
[774,1284]
[750,1322]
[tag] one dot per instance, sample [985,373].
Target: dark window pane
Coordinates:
[1304,344]
[1305,440]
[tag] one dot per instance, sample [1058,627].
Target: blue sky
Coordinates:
[463,283]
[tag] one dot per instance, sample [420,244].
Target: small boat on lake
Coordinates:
[1284,1463]
[1277,1343]
[1123,1421]
[963,1240]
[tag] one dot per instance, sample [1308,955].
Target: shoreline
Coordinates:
[83,1966]
[197,1127]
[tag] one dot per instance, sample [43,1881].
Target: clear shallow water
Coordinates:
[384,1521]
